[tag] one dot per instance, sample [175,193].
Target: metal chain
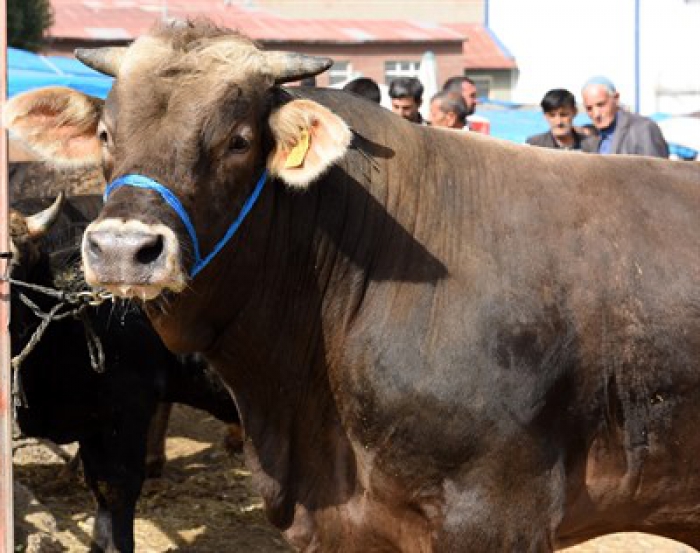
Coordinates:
[91,297]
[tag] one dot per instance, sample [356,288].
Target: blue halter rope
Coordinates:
[141,181]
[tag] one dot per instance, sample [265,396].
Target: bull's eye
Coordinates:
[239,144]
[103,136]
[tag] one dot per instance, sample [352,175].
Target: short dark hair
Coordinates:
[404,87]
[454,84]
[558,98]
[451,102]
[364,86]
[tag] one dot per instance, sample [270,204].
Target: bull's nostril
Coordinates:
[151,251]
[93,246]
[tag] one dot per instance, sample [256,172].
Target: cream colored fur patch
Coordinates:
[57,124]
[329,139]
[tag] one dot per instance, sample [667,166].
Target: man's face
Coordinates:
[561,121]
[601,105]
[406,107]
[469,95]
[439,118]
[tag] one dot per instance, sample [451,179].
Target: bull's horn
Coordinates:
[40,223]
[106,60]
[289,66]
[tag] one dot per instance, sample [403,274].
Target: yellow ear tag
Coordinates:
[298,153]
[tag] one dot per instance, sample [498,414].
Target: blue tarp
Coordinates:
[515,122]
[27,71]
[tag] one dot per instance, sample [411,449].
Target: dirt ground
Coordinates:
[203,503]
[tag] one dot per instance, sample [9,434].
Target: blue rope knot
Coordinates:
[141,181]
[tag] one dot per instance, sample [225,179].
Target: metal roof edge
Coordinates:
[507,53]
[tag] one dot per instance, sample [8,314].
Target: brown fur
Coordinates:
[448,343]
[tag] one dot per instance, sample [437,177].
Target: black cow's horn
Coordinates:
[290,66]
[106,60]
[40,223]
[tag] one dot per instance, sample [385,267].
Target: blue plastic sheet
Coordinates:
[27,71]
[516,122]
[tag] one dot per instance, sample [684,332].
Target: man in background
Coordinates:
[406,95]
[448,110]
[620,132]
[559,108]
[466,88]
[366,87]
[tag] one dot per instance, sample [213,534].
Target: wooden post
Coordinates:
[6,506]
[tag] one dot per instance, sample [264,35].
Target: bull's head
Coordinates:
[193,109]
[25,234]
[29,263]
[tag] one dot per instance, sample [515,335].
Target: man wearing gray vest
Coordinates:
[620,132]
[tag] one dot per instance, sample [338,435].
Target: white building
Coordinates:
[649,48]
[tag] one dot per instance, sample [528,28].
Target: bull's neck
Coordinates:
[262,312]
[273,313]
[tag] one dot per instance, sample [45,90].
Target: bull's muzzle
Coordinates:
[131,258]
[141,251]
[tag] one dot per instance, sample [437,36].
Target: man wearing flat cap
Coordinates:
[620,132]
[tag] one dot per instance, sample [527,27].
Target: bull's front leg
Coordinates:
[157,434]
[114,472]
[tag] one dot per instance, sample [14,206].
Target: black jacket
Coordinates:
[546,140]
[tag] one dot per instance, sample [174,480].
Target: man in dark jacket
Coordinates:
[406,95]
[559,108]
[620,132]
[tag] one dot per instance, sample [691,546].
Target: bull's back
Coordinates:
[554,266]
[516,232]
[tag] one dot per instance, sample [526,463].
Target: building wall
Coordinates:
[366,59]
[561,48]
[369,59]
[670,45]
[442,11]
[500,82]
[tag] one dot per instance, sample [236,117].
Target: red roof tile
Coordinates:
[127,19]
[482,49]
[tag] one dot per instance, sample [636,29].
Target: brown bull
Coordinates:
[436,342]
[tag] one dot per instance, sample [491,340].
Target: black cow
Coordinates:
[437,341]
[64,398]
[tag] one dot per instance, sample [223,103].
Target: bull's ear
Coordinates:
[309,138]
[57,124]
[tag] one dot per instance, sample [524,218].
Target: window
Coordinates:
[395,69]
[483,86]
[340,72]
